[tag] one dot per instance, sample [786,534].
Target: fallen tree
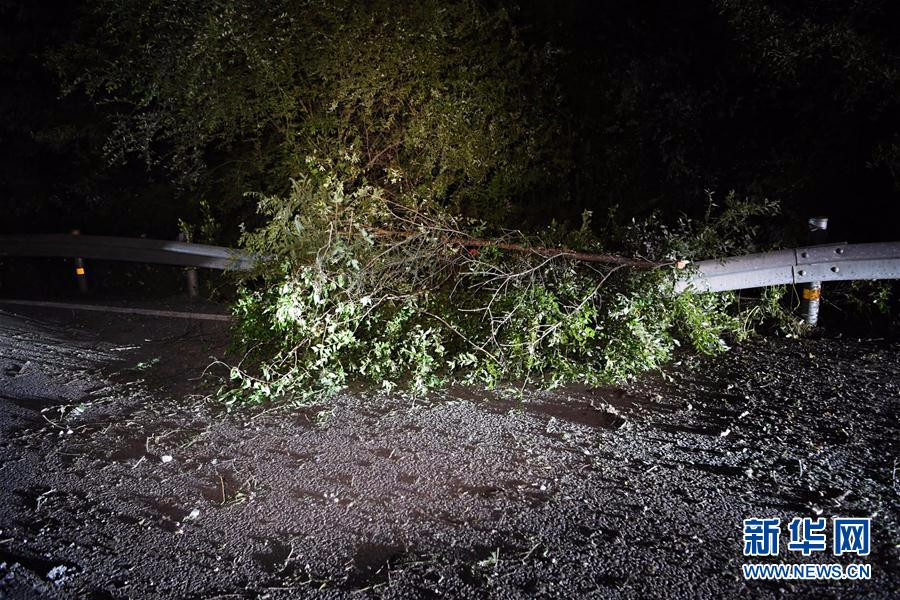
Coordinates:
[400,293]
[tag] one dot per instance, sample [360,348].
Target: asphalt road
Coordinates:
[121,479]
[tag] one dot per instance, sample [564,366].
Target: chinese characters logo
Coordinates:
[808,535]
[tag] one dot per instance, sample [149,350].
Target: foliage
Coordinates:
[866,302]
[497,108]
[704,237]
[772,308]
[360,287]
[205,230]
[438,98]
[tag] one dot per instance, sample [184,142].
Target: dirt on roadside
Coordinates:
[119,478]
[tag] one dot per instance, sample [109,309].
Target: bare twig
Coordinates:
[468,242]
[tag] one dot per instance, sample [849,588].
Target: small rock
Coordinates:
[725,433]
[167,458]
[57,574]
[842,497]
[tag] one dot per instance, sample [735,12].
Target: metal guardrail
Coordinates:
[828,262]
[126,249]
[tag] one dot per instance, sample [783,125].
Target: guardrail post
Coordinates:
[80,271]
[812,291]
[193,284]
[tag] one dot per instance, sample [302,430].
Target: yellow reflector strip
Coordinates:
[79,270]
[809,294]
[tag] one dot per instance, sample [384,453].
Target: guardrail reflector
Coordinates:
[812,294]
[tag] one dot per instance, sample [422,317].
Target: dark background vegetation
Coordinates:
[649,104]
